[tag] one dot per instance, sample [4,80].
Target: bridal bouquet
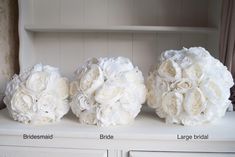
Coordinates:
[189,87]
[37,96]
[107,91]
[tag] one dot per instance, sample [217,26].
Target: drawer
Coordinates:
[177,154]
[6,151]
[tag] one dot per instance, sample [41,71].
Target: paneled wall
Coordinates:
[121,12]
[8,43]
[67,49]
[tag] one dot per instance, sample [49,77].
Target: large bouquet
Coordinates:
[37,96]
[107,91]
[189,87]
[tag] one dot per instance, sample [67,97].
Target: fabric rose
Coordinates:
[156,88]
[182,85]
[37,82]
[107,91]
[172,103]
[194,102]
[112,67]
[38,96]
[91,79]
[189,87]
[169,70]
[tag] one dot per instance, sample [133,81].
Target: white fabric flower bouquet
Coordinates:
[107,91]
[38,95]
[189,87]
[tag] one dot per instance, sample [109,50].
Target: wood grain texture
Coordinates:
[8,43]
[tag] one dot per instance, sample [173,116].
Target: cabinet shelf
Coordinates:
[37,28]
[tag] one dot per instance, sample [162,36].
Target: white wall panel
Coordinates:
[72,52]
[167,41]
[47,49]
[120,12]
[168,12]
[145,13]
[72,12]
[144,51]
[6,151]
[120,44]
[142,48]
[96,45]
[46,12]
[193,40]
[96,12]
[194,12]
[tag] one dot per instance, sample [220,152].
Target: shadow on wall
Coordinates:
[9,43]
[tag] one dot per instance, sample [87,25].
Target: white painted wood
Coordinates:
[125,12]
[96,12]
[72,12]
[6,151]
[194,13]
[120,12]
[194,40]
[120,44]
[214,10]
[95,45]
[168,12]
[145,13]
[145,51]
[147,133]
[146,127]
[72,52]
[213,44]
[175,154]
[47,49]
[46,12]
[168,41]
[26,48]
[41,28]
[67,50]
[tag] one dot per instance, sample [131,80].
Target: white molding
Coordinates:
[36,28]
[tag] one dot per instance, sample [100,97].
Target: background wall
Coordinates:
[8,43]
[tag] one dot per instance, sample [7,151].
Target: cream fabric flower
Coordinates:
[156,88]
[37,82]
[172,103]
[116,92]
[22,102]
[37,96]
[109,93]
[91,79]
[182,85]
[112,67]
[189,87]
[73,88]
[62,88]
[169,70]
[194,102]
[194,72]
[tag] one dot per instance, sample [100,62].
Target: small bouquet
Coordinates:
[38,96]
[107,91]
[189,87]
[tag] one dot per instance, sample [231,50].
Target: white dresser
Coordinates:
[147,136]
[64,33]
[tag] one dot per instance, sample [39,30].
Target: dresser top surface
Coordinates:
[146,126]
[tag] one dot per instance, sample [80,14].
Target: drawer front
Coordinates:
[178,154]
[6,151]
